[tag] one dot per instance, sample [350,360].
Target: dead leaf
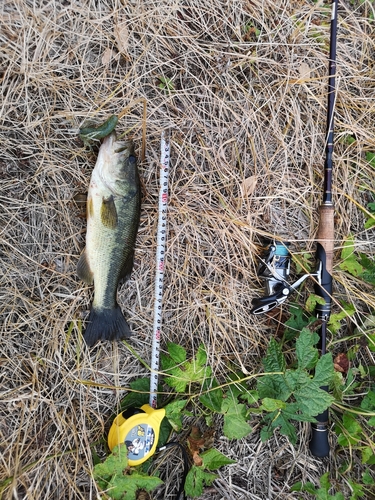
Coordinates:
[122,37]
[341,363]
[197,459]
[304,71]
[249,185]
[196,444]
[107,56]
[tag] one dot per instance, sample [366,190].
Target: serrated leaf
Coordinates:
[196,479]
[308,487]
[324,370]
[114,464]
[186,372]
[368,265]
[357,490]
[269,404]
[274,387]
[324,481]
[274,360]
[368,402]
[126,487]
[286,428]
[307,354]
[335,319]
[235,419]
[312,400]
[367,478]
[176,352]
[312,300]
[250,396]
[174,414]
[213,459]
[296,379]
[265,434]
[351,432]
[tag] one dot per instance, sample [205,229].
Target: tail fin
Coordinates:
[106,324]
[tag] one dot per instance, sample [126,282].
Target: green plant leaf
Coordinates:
[334,323]
[274,360]
[367,478]
[324,370]
[196,479]
[357,490]
[139,394]
[125,487]
[368,402]
[110,475]
[312,400]
[349,259]
[309,487]
[235,419]
[286,428]
[185,372]
[312,300]
[250,396]
[176,352]
[350,432]
[174,413]
[307,354]
[213,459]
[370,157]
[213,397]
[368,265]
[114,464]
[323,492]
[296,322]
[269,404]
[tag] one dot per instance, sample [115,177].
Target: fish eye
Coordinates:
[132,159]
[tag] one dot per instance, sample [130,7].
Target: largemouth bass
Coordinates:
[113,209]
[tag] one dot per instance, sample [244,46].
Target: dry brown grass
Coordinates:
[243,105]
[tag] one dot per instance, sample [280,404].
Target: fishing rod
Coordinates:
[319,445]
[275,265]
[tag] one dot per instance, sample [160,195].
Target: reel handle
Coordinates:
[262,305]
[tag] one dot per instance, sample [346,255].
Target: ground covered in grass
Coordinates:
[242,87]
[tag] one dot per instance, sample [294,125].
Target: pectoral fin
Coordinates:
[84,271]
[108,213]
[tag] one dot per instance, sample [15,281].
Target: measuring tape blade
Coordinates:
[160,262]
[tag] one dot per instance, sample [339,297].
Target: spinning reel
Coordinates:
[274,268]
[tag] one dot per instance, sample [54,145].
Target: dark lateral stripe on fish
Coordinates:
[106,324]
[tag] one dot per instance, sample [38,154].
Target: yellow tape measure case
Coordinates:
[139,431]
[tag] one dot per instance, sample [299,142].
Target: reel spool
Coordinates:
[139,429]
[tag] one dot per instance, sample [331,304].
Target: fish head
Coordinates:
[117,163]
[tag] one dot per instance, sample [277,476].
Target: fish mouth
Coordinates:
[119,146]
